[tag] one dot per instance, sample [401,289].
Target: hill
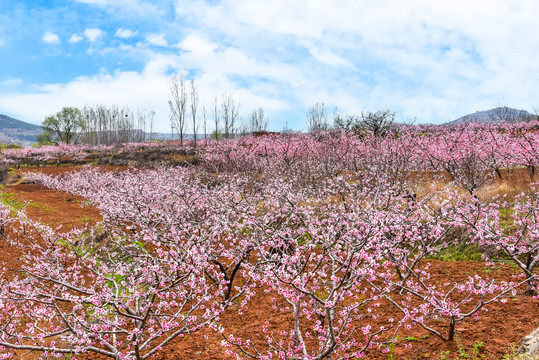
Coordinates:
[13,131]
[497,115]
[7,122]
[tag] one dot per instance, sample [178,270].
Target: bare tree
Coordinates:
[151,116]
[216,116]
[111,125]
[194,106]
[178,104]
[346,122]
[379,122]
[242,128]
[89,135]
[229,113]
[258,121]
[104,123]
[204,116]
[502,114]
[317,118]
[125,127]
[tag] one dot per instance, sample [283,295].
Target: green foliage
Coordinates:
[460,252]
[45,138]
[65,125]
[462,354]
[216,135]
[444,355]
[10,199]
[15,202]
[80,252]
[9,146]
[506,220]
[515,355]
[391,348]
[477,348]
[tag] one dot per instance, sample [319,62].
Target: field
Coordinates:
[417,245]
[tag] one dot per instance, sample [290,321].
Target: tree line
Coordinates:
[97,125]
[108,125]
[225,121]
[189,117]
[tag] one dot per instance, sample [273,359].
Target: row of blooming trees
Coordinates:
[74,154]
[321,224]
[470,154]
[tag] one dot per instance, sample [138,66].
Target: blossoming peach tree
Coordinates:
[322,225]
[124,289]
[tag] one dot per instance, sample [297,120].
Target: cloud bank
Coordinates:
[434,61]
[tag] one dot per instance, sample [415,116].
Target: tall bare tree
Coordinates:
[316,118]
[106,125]
[229,113]
[502,114]
[258,121]
[178,104]
[194,105]
[216,116]
[204,117]
[151,117]
[379,122]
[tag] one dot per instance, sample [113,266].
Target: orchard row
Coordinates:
[323,224]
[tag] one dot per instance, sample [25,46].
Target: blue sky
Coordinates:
[429,60]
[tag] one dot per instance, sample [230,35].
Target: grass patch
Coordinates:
[15,202]
[10,199]
[460,252]
[506,220]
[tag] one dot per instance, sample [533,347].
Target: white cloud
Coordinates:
[92,34]
[430,59]
[51,38]
[329,58]
[147,89]
[208,58]
[157,39]
[2,42]
[197,44]
[382,54]
[125,33]
[75,38]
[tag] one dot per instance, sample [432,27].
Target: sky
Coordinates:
[428,61]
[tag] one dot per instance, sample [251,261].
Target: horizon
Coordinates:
[434,62]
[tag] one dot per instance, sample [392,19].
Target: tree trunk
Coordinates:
[451,334]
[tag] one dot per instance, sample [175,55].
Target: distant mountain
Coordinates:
[13,131]
[7,122]
[497,115]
